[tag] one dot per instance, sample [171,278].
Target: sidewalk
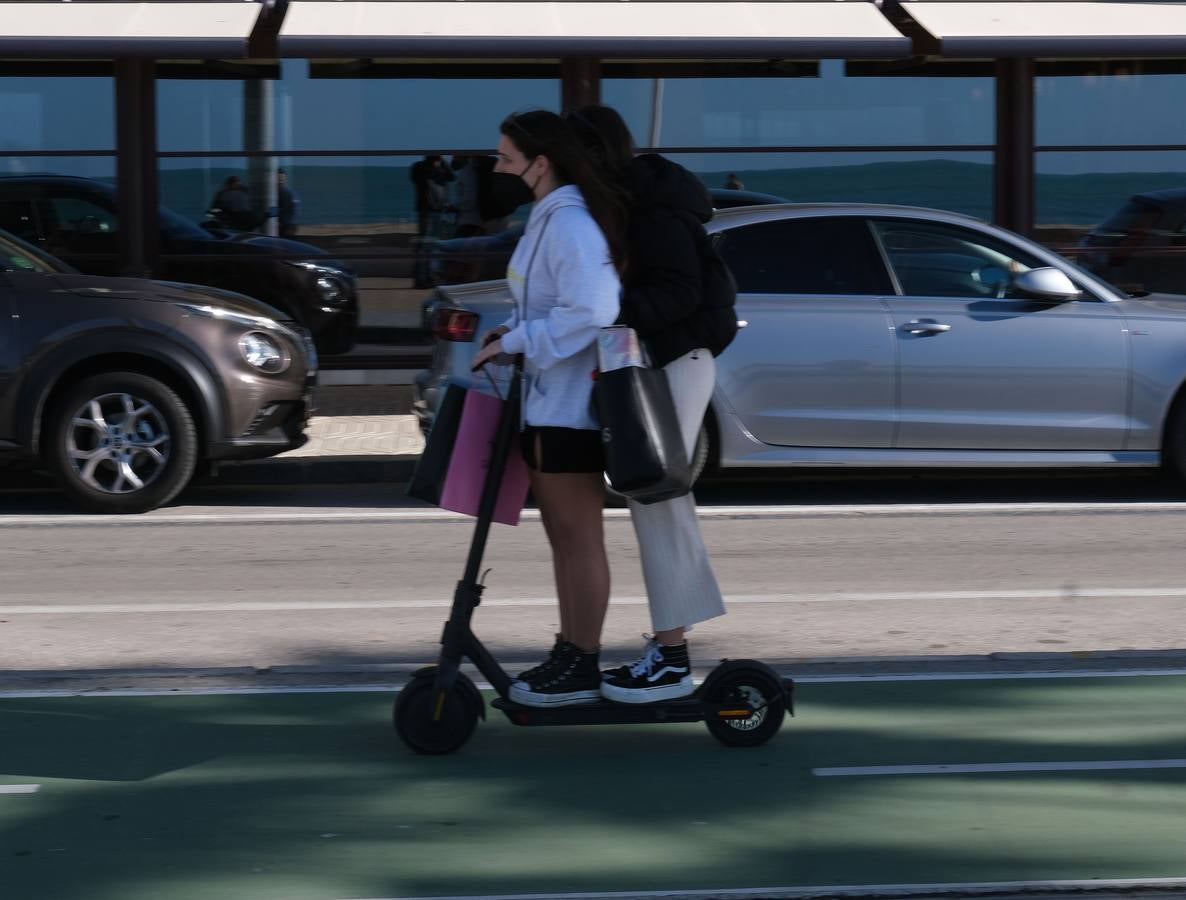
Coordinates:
[359,433]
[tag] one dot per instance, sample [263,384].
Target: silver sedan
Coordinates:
[889,336]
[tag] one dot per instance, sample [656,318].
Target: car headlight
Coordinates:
[263,352]
[331,289]
[332,285]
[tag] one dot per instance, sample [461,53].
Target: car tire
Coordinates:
[121,442]
[699,461]
[1173,454]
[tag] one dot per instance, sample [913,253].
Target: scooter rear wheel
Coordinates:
[745,688]
[413,714]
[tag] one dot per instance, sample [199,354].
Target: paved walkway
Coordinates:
[331,436]
[359,433]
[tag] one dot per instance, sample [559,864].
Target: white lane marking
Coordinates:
[1069,592]
[315,517]
[946,890]
[399,679]
[1102,765]
[19,788]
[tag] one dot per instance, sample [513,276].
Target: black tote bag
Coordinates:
[429,476]
[645,457]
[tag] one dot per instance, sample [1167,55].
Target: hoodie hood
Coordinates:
[653,181]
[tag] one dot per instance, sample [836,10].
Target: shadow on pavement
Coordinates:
[308,796]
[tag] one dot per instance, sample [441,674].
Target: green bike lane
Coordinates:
[310,795]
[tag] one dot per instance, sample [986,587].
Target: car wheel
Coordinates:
[121,442]
[699,461]
[1173,453]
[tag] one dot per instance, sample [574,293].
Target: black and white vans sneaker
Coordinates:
[663,673]
[572,679]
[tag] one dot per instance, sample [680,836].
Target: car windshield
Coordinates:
[17,256]
[174,226]
[1135,216]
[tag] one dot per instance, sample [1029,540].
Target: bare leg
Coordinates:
[565,632]
[571,508]
[670,637]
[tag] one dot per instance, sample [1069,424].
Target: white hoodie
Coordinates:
[572,289]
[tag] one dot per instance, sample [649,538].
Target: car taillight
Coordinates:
[455,324]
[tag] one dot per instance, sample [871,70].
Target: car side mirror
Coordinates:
[1046,283]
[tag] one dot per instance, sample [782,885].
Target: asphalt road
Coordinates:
[817,573]
[990,673]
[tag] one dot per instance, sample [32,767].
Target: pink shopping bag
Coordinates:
[472,450]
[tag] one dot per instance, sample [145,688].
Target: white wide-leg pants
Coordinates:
[681,586]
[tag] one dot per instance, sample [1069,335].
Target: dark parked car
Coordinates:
[75,220]
[122,387]
[1142,246]
[469,259]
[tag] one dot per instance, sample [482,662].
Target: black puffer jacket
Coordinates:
[662,284]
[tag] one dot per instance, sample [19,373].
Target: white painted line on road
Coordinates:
[19,788]
[979,768]
[316,516]
[984,676]
[400,679]
[808,892]
[223,605]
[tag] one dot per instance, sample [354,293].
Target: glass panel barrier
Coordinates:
[1120,213]
[41,113]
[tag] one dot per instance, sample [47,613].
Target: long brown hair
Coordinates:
[542,133]
[604,134]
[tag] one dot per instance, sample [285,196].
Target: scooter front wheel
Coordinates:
[744,708]
[418,722]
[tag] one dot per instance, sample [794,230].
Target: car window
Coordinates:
[813,255]
[16,217]
[933,259]
[77,215]
[16,256]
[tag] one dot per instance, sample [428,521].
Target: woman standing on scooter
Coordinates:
[662,299]
[563,277]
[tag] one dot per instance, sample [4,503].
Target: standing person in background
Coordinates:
[232,206]
[430,177]
[663,300]
[469,217]
[563,277]
[733,183]
[289,205]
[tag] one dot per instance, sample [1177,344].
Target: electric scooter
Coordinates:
[742,701]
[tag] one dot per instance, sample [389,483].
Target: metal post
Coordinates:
[580,82]
[1013,174]
[137,179]
[258,134]
[656,112]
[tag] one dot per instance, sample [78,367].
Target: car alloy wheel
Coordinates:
[122,442]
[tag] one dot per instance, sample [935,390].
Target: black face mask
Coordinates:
[508,192]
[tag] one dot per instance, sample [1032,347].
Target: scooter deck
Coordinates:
[604,712]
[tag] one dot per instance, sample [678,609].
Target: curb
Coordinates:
[368,469]
[804,670]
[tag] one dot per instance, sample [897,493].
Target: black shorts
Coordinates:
[570,450]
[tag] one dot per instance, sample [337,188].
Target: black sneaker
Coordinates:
[624,671]
[559,650]
[663,673]
[572,680]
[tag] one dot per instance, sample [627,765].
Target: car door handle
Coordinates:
[925,326]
